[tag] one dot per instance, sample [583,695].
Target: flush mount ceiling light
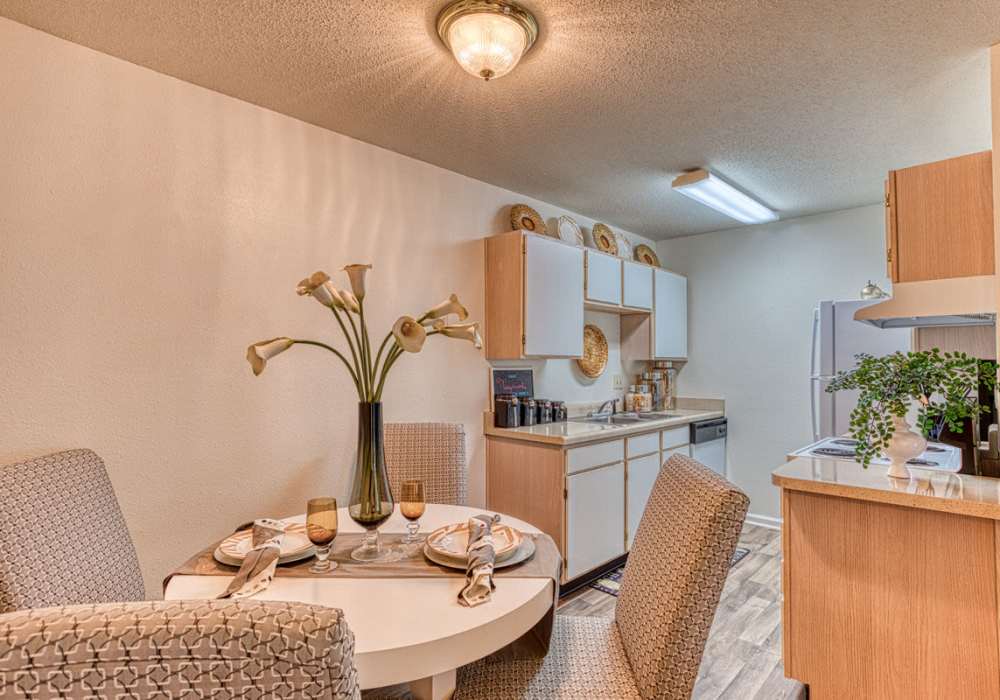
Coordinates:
[712,191]
[487,37]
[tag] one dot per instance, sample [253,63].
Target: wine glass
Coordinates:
[321,528]
[412,506]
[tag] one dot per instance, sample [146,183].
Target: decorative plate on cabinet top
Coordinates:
[645,254]
[569,231]
[604,239]
[595,352]
[524,217]
[624,246]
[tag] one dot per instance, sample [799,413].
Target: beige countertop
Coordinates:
[573,433]
[929,489]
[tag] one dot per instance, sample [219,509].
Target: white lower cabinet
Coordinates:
[682,450]
[642,473]
[595,500]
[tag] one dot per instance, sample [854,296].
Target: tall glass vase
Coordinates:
[371,498]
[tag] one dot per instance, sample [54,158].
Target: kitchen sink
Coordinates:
[619,419]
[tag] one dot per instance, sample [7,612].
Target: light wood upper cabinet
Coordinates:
[637,285]
[534,297]
[939,219]
[669,315]
[603,278]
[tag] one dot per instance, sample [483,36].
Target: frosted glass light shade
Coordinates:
[487,37]
[712,191]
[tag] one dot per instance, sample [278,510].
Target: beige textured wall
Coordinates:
[150,230]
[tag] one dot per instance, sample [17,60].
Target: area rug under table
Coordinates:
[611,582]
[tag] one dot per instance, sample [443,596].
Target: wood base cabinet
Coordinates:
[887,601]
[588,498]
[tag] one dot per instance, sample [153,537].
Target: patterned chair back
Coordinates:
[431,452]
[676,569]
[63,539]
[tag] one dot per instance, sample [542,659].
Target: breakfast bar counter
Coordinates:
[875,570]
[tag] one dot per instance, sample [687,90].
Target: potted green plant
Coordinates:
[944,385]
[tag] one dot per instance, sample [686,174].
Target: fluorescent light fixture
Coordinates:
[712,191]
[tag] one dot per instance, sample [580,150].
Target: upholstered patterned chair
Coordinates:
[431,452]
[653,646]
[178,649]
[62,536]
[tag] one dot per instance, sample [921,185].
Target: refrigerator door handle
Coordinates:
[815,336]
[813,396]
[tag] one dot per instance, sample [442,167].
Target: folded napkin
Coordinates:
[258,566]
[479,570]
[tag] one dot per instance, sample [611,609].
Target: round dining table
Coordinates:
[408,630]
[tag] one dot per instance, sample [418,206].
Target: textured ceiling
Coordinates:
[805,104]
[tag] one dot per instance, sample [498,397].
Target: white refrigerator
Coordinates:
[836,339]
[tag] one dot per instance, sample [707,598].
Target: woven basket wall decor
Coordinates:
[595,352]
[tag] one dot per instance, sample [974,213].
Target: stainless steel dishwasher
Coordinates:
[708,443]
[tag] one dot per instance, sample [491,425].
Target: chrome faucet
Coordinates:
[607,408]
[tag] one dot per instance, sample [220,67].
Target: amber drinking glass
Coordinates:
[321,527]
[412,506]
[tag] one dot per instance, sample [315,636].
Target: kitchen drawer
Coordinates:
[673,437]
[639,445]
[580,458]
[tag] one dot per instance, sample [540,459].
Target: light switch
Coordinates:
[619,381]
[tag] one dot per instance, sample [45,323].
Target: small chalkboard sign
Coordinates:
[519,382]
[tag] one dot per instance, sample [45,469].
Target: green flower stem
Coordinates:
[390,360]
[350,343]
[364,393]
[381,348]
[367,348]
[336,352]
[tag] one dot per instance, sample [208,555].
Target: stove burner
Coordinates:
[832,452]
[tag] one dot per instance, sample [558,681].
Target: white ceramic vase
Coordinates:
[904,446]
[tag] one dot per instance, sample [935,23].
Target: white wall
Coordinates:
[751,295]
[150,230]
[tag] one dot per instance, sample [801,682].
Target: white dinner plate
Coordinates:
[522,553]
[295,546]
[453,540]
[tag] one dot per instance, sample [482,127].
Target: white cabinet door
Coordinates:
[637,285]
[642,475]
[553,298]
[604,278]
[595,518]
[669,315]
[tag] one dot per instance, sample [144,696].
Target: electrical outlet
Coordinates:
[619,381]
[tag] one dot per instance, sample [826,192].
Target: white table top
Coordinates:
[407,628]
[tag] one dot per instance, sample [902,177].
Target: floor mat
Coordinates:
[612,581]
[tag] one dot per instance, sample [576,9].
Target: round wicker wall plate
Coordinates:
[595,352]
[645,254]
[524,217]
[604,239]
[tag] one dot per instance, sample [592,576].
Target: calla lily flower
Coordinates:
[259,353]
[451,305]
[462,331]
[357,274]
[351,302]
[409,334]
[320,288]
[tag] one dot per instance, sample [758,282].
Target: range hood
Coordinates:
[957,301]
